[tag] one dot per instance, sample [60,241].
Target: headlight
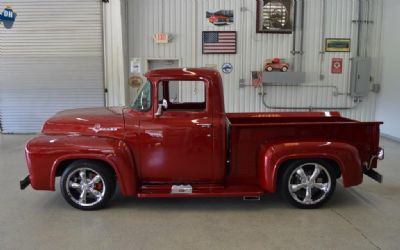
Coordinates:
[381,154]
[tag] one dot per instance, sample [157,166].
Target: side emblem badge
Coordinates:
[97,128]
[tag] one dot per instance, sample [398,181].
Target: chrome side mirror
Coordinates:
[162,106]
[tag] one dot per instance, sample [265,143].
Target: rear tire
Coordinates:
[308,183]
[269,68]
[87,185]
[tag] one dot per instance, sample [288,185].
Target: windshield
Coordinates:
[142,101]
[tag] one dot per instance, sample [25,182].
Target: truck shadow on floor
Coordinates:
[341,198]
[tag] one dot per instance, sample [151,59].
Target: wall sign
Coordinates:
[337,45]
[275,16]
[227,68]
[161,37]
[337,66]
[219,42]
[220,17]
[7,17]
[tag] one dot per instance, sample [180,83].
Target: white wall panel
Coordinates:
[388,103]
[51,59]
[115,48]
[185,20]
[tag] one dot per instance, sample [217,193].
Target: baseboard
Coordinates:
[391,137]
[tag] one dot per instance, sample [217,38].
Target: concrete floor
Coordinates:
[363,217]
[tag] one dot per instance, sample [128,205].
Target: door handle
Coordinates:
[204,125]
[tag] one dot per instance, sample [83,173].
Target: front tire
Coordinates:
[87,185]
[308,183]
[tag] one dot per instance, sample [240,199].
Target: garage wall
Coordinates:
[389,102]
[52,59]
[185,20]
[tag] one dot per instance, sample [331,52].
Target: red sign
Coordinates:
[161,37]
[337,66]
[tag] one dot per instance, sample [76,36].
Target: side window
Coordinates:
[183,95]
[142,101]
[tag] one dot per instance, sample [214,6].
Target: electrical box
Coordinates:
[360,76]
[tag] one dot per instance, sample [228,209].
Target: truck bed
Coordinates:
[248,131]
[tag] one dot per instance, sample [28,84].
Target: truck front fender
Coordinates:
[46,153]
[273,155]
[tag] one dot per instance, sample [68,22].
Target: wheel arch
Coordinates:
[61,164]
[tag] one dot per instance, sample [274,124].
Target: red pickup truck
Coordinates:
[158,147]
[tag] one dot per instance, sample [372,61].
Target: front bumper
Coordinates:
[25,182]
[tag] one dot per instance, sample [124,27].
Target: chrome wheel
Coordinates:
[85,187]
[309,183]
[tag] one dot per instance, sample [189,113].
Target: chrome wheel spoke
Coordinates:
[316,172]
[308,197]
[321,186]
[300,172]
[82,174]
[297,187]
[82,197]
[96,193]
[74,185]
[95,179]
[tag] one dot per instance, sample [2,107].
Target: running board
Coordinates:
[200,190]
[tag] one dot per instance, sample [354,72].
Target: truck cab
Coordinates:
[179,139]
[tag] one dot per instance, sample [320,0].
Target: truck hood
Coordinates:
[87,121]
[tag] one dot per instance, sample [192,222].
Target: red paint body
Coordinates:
[149,153]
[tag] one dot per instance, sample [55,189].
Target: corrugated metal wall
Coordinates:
[51,59]
[185,20]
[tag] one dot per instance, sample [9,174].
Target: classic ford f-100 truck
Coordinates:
[161,147]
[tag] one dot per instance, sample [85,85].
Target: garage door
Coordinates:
[50,60]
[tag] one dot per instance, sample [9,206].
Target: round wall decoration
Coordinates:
[227,68]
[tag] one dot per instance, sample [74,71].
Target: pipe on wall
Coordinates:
[310,108]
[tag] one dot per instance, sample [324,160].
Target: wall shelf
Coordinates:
[276,77]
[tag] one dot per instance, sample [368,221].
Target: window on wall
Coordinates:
[183,95]
[274,16]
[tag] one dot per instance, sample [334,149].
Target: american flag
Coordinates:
[219,42]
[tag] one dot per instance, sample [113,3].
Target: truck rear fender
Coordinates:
[274,155]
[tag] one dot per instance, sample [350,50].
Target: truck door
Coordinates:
[177,145]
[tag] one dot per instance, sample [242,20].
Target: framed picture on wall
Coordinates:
[337,45]
[275,16]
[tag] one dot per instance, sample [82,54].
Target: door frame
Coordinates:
[147,64]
